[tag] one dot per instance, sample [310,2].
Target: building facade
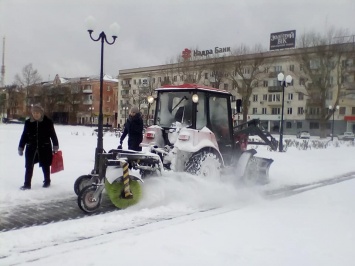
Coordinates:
[73,101]
[304,102]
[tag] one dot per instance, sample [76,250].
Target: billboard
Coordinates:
[282,40]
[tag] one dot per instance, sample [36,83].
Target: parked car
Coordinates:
[346,136]
[303,135]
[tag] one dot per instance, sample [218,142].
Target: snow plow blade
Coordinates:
[253,170]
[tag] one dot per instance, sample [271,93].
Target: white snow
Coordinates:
[182,219]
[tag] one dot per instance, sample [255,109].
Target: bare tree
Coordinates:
[322,72]
[190,68]
[27,80]
[248,69]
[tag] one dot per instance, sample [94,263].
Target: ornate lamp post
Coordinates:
[102,37]
[333,109]
[284,83]
[91,109]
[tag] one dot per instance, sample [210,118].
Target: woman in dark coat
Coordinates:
[38,135]
[134,129]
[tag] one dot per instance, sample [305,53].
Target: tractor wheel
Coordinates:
[114,192]
[82,182]
[204,164]
[87,201]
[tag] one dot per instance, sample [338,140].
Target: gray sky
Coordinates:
[51,34]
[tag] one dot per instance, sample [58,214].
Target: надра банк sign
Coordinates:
[282,40]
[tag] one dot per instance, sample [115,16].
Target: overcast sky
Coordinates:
[52,35]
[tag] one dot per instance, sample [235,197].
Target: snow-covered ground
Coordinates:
[183,220]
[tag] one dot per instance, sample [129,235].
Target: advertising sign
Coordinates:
[282,40]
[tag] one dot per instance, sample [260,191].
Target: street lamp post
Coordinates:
[333,109]
[91,109]
[284,83]
[125,113]
[102,37]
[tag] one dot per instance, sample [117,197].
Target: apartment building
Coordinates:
[73,101]
[303,105]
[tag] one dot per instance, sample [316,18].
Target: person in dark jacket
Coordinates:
[38,136]
[134,128]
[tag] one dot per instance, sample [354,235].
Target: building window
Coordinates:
[289,110]
[255,97]
[302,82]
[300,110]
[292,68]
[206,75]
[274,97]
[265,83]
[314,125]
[300,96]
[353,110]
[299,124]
[255,111]
[109,99]
[108,88]
[159,79]
[278,69]
[275,111]
[153,80]
[175,78]
[329,95]
[342,110]
[134,82]
[264,97]
[226,86]
[288,124]
[290,96]
[264,111]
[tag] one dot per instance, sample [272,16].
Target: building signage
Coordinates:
[282,40]
[187,52]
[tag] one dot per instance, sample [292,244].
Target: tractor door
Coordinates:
[220,123]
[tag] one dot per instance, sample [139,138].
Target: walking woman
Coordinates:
[38,136]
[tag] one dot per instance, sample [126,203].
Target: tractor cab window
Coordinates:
[201,118]
[218,118]
[174,107]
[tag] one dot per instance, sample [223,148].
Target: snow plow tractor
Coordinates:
[192,132]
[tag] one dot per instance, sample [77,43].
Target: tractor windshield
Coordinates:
[174,107]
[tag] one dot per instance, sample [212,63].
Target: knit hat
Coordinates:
[37,107]
[134,109]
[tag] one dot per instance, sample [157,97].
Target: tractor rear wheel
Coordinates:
[204,164]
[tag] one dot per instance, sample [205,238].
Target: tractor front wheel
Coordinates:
[204,164]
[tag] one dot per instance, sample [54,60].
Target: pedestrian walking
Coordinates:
[40,139]
[134,129]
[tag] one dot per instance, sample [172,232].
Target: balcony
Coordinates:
[272,74]
[87,102]
[274,89]
[87,90]
[350,85]
[312,116]
[126,86]
[350,68]
[273,103]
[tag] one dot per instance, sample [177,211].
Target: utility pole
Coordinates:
[2,84]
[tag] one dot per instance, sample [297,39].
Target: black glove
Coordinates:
[119,147]
[20,151]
